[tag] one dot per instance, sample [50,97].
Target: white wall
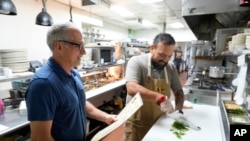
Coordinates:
[148,34]
[112,32]
[21,31]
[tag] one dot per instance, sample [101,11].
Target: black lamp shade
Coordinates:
[43,18]
[7,7]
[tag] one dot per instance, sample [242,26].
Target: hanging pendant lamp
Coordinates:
[44,18]
[70,12]
[7,7]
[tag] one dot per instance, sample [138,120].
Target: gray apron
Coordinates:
[139,123]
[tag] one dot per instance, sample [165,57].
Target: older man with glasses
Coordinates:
[55,98]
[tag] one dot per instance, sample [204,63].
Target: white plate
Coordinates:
[14,54]
[15,59]
[20,70]
[13,50]
[17,65]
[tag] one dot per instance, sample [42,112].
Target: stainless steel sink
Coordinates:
[202,99]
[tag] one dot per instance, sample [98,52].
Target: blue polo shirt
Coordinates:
[55,95]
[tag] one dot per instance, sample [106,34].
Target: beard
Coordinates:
[158,66]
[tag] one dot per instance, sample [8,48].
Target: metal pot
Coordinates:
[216,72]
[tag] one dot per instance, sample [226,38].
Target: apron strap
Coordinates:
[166,74]
[149,64]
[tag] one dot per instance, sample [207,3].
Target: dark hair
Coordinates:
[165,38]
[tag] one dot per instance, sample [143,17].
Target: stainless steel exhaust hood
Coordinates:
[205,16]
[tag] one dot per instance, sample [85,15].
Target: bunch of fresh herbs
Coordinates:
[179,129]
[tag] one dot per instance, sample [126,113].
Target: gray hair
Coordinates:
[165,38]
[58,32]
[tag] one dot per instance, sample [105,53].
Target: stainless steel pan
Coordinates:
[216,72]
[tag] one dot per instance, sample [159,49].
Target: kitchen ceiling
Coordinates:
[159,13]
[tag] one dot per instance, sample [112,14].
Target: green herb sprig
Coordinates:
[237,111]
[179,129]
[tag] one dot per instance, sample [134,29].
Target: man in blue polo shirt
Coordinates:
[56,102]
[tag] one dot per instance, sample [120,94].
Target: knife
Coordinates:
[186,122]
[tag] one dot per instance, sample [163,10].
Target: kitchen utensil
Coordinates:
[179,117]
[216,72]
[187,123]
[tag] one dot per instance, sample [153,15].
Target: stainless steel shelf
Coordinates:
[235,53]
[84,71]
[17,76]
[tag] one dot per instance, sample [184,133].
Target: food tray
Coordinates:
[231,105]
[238,119]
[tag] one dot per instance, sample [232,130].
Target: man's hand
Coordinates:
[165,104]
[110,118]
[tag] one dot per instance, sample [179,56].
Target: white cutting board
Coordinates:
[206,116]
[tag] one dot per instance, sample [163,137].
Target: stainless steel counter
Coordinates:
[105,88]
[11,120]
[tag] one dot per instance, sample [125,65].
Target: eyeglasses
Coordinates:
[81,46]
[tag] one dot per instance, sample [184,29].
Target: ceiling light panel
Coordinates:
[121,11]
[147,23]
[176,25]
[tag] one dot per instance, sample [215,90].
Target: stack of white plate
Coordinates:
[15,59]
[248,42]
[238,41]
